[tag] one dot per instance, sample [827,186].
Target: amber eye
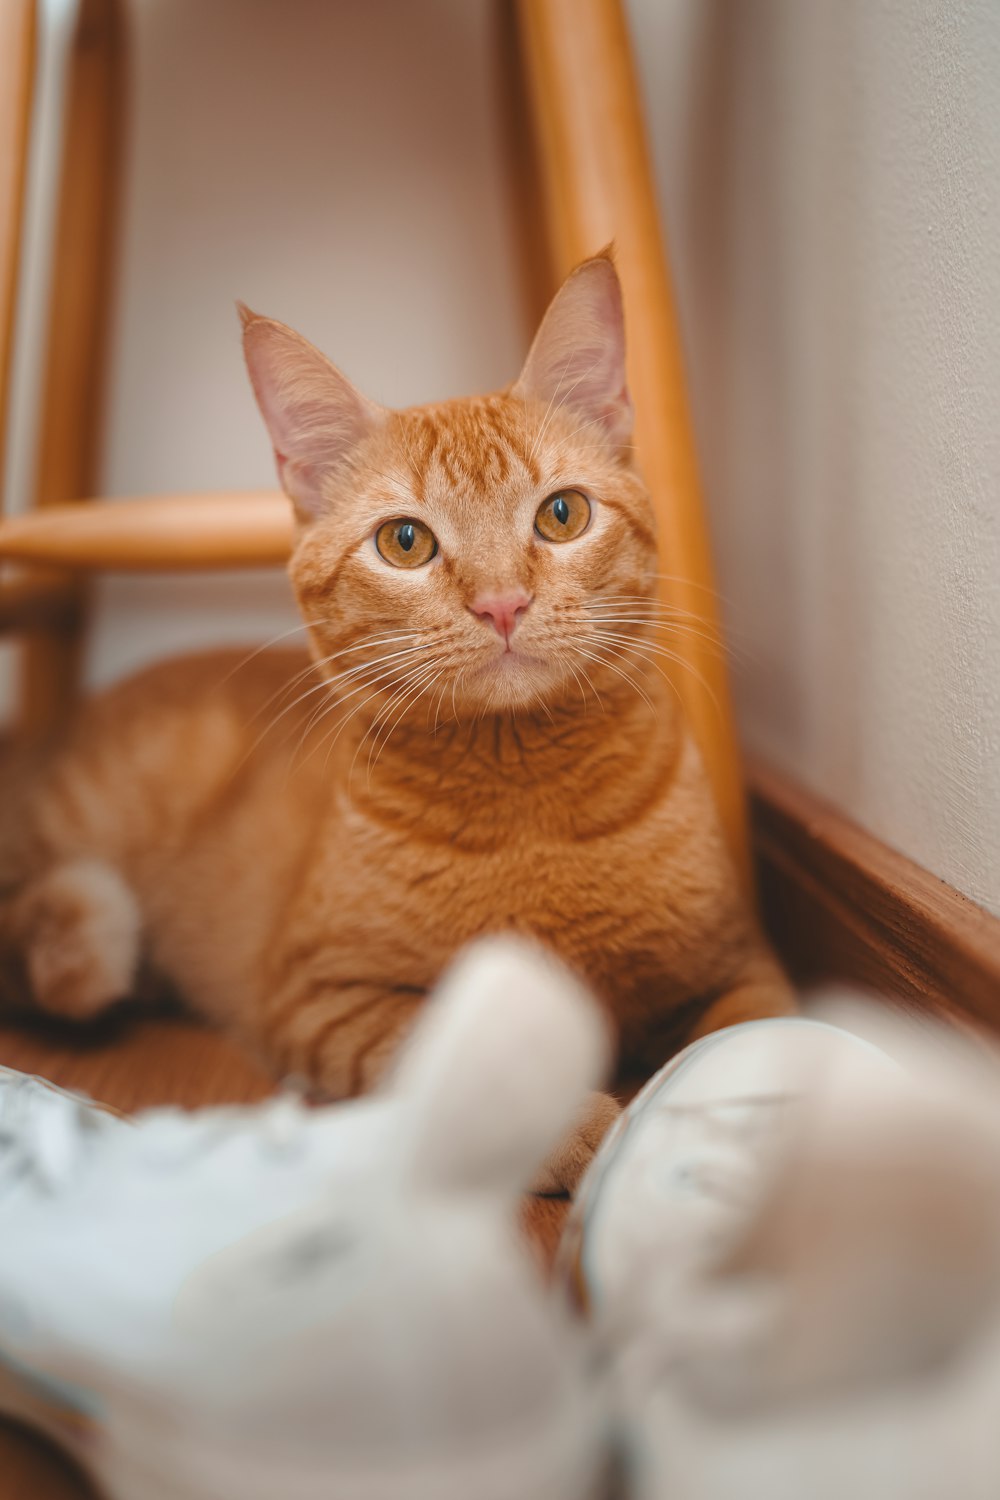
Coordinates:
[563,516]
[406,543]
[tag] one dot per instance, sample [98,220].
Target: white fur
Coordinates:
[84,930]
[496,1074]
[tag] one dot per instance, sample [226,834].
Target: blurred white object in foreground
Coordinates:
[330,1303]
[791,1245]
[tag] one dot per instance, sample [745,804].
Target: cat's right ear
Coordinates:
[313,413]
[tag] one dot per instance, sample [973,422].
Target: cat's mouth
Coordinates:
[510,658]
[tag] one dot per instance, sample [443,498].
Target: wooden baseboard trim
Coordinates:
[841,905]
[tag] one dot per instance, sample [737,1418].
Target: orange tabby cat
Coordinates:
[479,740]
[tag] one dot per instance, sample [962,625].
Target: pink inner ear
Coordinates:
[578,356]
[314,415]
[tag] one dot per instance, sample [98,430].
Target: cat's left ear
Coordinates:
[578,357]
[314,415]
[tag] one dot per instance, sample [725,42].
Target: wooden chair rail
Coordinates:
[82,278]
[161,533]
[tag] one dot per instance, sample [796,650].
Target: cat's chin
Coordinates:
[510,681]
[511,662]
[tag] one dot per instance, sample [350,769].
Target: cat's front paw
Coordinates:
[80,930]
[571,1158]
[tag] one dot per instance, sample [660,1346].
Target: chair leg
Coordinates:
[598,186]
[18,23]
[69,428]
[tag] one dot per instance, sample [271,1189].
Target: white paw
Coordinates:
[81,931]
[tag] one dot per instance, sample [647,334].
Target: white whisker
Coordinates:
[649,648]
[361,676]
[603,659]
[266,646]
[552,404]
[716,647]
[381,638]
[425,678]
[583,695]
[347,719]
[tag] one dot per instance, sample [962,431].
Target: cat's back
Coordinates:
[190,711]
[177,742]
[233,680]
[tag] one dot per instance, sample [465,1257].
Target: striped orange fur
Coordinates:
[298,842]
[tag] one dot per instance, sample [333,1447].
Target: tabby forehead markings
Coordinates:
[473,443]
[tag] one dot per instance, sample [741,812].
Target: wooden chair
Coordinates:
[597,186]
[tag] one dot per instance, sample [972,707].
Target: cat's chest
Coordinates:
[587,897]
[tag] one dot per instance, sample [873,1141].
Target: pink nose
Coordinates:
[503,611]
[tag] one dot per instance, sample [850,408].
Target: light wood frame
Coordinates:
[70,418]
[18,33]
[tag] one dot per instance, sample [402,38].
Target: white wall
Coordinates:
[830,173]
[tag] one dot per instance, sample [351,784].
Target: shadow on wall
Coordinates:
[779,323]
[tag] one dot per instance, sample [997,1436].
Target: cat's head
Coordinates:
[491,553]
